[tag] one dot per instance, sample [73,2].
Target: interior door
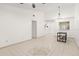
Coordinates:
[34,29]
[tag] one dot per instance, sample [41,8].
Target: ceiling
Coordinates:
[47,8]
[41,6]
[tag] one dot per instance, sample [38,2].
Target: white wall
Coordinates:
[51,27]
[15,25]
[77,23]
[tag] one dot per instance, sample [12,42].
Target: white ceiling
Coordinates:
[51,9]
[40,6]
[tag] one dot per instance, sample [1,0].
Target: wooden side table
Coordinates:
[62,36]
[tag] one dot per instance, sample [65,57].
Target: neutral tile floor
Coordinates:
[43,46]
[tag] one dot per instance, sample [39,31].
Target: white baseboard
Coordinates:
[3,45]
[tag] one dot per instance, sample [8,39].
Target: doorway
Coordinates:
[34,29]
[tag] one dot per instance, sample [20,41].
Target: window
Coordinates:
[64,25]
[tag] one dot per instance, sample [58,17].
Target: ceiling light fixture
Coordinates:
[33,5]
[59,12]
